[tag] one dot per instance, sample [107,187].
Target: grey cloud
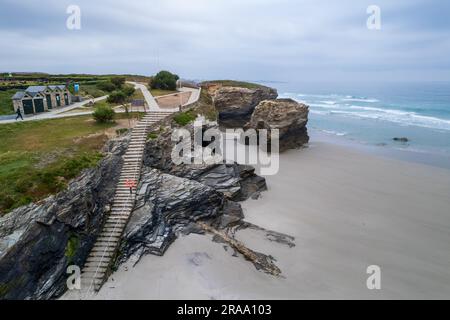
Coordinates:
[253,39]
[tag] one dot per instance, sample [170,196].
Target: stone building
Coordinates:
[36,99]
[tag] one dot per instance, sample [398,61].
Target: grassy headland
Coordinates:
[38,158]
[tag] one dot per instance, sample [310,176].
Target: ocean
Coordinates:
[373,115]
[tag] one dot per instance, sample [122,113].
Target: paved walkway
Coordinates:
[63,111]
[195,95]
[151,102]
[56,113]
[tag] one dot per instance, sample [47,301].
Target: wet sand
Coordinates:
[346,209]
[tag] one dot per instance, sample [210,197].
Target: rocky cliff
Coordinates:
[286,115]
[39,241]
[172,198]
[235,105]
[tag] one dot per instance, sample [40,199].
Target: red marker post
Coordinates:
[129,183]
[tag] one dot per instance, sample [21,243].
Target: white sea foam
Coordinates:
[336,133]
[341,105]
[361,100]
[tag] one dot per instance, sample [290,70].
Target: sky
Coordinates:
[266,40]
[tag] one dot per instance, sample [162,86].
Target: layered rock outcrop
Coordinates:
[39,241]
[235,105]
[286,115]
[171,198]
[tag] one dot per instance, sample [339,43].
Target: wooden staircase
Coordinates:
[96,268]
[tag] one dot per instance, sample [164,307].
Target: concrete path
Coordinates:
[56,113]
[153,105]
[195,95]
[151,102]
[63,111]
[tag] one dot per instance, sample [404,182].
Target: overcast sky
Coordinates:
[239,39]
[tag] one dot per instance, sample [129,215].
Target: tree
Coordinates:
[128,90]
[165,80]
[117,97]
[103,114]
[106,86]
[118,82]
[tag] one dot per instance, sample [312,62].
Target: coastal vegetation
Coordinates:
[164,80]
[184,118]
[103,114]
[90,85]
[6,105]
[159,92]
[233,83]
[38,158]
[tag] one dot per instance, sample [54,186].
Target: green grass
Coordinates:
[205,107]
[6,105]
[233,83]
[72,246]
[138,95]
[155,134]
[91,90]
[38,158]
[159,92]
[184,118]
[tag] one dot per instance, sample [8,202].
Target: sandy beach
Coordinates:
[346,209]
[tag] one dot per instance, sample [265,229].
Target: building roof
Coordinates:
[59,86]
[35,90]
[19,95]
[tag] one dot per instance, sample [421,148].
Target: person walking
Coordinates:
[19,114]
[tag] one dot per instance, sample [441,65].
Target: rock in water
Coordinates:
[286,115]
[401,139]
[235,105]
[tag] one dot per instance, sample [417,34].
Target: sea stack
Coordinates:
[286,115]
[235,105]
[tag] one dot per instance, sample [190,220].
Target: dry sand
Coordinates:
[346,209]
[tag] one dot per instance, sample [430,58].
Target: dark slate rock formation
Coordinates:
[39,241]
[166,204]
[171,198]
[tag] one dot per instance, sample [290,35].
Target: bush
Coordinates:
[184,118]
[128,90]
[106,86]
[152,135]
[117,97]
[164,80]
[103,114]
[118,82]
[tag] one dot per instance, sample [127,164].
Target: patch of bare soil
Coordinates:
[173,100]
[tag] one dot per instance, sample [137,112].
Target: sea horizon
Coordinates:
[372,115]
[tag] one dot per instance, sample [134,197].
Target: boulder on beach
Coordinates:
[286,115]
[235,105]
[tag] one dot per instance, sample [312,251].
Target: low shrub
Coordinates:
[184,118]
[117,97]
[103,114]
[106,86]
